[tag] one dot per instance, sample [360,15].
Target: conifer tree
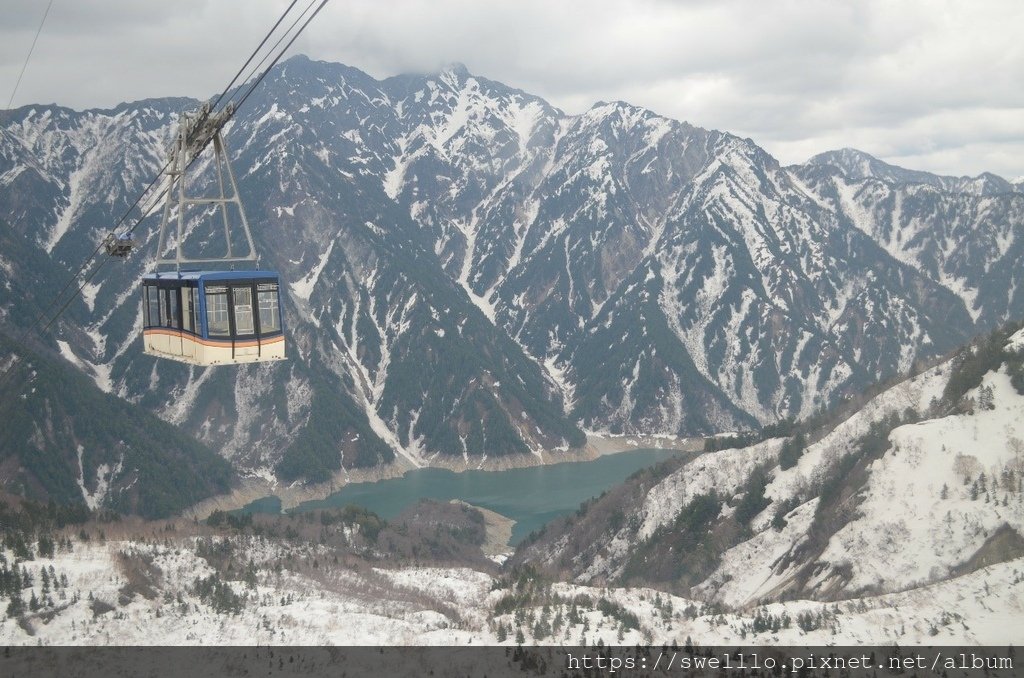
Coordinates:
[16,606]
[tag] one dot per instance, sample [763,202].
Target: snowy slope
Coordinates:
[964,234]
[456,606]
[910,490]
[917,514]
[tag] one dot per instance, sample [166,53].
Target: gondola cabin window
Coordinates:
[152,306]
[242,300]
[171,305]
[270,315]
[217,312]
[189,308]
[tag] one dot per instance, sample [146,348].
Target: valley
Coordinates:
[790,540]
[551,378]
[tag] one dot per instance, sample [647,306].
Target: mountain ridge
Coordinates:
[613,271]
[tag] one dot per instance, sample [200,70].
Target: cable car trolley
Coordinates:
[210,316]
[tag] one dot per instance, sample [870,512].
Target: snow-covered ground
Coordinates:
[938,495]
[945,490]
[895,534]
[328,605]
[332,604]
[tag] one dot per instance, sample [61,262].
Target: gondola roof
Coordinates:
[209,275]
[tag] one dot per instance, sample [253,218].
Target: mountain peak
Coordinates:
[858,165]
[454,74]
[451,197]
[627,112]
[455,68]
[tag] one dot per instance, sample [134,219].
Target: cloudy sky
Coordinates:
[926,84]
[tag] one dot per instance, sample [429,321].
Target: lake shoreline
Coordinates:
[254,488]
[498,529]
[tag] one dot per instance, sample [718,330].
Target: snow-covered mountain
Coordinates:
[900,524]
[919,486]
[472,273]
[963,233]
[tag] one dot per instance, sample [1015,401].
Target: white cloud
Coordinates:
[932,82]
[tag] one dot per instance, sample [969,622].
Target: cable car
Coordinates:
[208,317]
[213,317]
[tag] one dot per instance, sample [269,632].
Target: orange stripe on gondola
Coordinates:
[223,343]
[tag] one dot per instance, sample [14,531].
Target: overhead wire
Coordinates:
[89,260]
[281,53]
[152,203]
[29,55]
[92,256]
[254,84]
[263,73]
[208,111]
[253,55]
[274,47]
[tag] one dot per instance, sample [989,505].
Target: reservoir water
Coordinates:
[531,496]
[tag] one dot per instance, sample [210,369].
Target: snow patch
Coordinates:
[104,476]
[303,288]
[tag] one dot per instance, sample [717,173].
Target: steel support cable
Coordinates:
[266,56]
[206,114]
[281,53]
[253,56]
[85,264]
[92,256]
[145,215]
[255,83]
[8,371]
[74,296]
[29,55]
[24,334]
[124,217]
[258,80]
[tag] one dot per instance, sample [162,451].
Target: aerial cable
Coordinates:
[256,69]
[156,201]
[248,61]
[29,56]
[84,266]
[21,339]
[211,109]
[100,246]
[159,197]
[266,56]
[74,296]
[281,53]
[253,56]
[255,83]
[89,260]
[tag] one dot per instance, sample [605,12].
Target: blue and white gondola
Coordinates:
[213,317]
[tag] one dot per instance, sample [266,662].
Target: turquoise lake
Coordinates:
[530,496]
